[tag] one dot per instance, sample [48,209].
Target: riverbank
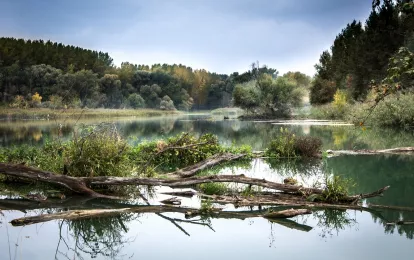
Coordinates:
[46,113]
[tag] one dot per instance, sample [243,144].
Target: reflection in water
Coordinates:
[256,134]
[152,236]
[373,172]
[97,237]
[334,220]
[109,237]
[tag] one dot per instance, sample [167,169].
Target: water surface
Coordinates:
[328,234]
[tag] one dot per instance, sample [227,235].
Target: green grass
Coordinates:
[47,113]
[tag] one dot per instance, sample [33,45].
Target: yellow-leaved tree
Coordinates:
[36,100]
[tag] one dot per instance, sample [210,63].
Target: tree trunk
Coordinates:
[80,185]
[289,213]
[399,150]
[192,170]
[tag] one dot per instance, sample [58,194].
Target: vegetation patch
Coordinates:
[100,151]
[288,145]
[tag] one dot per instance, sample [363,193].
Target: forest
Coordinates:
[46,74]
[362,55]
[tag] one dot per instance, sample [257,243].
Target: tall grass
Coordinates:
[47,113]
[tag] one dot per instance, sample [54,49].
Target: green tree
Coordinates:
[136,101]
[167,104]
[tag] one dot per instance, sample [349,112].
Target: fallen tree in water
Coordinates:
[81,185]
[84,175]
[397,151]
[272,214]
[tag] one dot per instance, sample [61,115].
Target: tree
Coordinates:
[246,95]
[36,100]
[186,101]
[167,104]
[111,87]
[136,101]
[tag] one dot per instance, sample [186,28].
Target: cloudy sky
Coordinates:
[219,35]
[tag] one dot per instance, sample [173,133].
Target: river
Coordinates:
[328,234]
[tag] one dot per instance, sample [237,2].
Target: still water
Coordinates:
[328,234]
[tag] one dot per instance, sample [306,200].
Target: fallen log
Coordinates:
[291,224]
[400,223]
[186,194]
[81,185]
[280,199]
[208,163]
[70,203]
[398,208]
[93,213]
[171,201]
[289,213]
[399,150]
[72,183]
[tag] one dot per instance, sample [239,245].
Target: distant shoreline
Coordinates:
[46,113]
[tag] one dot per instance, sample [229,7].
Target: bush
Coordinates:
[330,112]
[36,100]
[176,152]
[19,102]
[56,102]
[97,151]
[287,145]
[336,188]
[394,111]
[307,146]
[48,157]
[214,188]
[282,146]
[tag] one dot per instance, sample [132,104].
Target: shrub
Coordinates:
[394,111]
[56,102]
[176,152]
[36,100]
[283,145]
[336,188]
[330,112]
[307,146]
[19,102]
[48,157]
[339,101]
[287,145]
[98,151]
[214,188]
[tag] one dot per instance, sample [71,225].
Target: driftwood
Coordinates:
[185,194]
[81,185]
[400,150]
[281,199]
[171,201]
[209,162]
[401,222]
[289,213]
[390,207]
[72,183]
[291,224]
[85,214]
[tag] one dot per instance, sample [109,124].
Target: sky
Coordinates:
[221,36]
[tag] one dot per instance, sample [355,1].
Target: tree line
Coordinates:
[46,74]
[365,56]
